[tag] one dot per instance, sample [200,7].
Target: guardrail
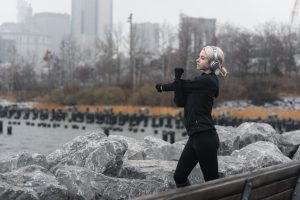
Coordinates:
[279,182]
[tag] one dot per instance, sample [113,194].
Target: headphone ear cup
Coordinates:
[214,65]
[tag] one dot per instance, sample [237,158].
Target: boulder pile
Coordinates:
[95,166]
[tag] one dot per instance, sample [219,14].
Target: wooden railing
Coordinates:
[279,182]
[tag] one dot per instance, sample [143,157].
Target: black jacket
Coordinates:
[197,98]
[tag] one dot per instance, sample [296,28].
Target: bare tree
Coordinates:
[10,73]
[226,38]
[194,34]
[55,72]
[168,39]
[243,50]
[85,75]
[289,43]
[270,47]
[118,38]
[70,56]
[105,58]
[185,42]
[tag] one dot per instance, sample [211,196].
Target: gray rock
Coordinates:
[94,167]
[151,148]
[135,147]
[251,132]
[77,149]
[181,142]
[296,156]
[94,151]
[289,142]
[92,185]
[21,160]
[229,165]
[32,182]
[229,139]
[158,170]
[261,154]
[254,156]
[151,141]
[169,152]
[107,158]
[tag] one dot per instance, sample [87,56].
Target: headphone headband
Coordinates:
[214,64]
[215,53]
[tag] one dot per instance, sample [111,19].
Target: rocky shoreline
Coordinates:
[287,102]
[96,166]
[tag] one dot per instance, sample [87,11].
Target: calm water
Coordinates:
[44,140]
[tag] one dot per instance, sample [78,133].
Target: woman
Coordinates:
[197,98]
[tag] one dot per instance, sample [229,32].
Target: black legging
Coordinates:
[201,147]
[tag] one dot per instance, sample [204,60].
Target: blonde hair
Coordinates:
[209,50]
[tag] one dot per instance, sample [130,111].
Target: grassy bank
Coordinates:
[246,113]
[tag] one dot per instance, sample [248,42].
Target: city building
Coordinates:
[194,34]
[7,47]
[24,12]
[27,44]
[198,31]
[91,19]
[55,26]
[33,35]
[145,38]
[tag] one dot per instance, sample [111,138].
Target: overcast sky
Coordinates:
[247,13]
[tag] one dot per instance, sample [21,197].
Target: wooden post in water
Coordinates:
[172,137]
[1,127]
[9,130]
[165,136]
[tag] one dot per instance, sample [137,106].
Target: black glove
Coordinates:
[178,72]
[158,87]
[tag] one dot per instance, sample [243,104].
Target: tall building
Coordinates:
[194,34]
[56,26]
[24,13]
[28,44]
[197,31]
[91,19]
[33,35]
[146,38]
[7,46]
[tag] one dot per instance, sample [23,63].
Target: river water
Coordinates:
[27,136]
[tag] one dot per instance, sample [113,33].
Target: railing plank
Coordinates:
[286,195]
[230,186]
[274,188]
[275,174]
[233,197]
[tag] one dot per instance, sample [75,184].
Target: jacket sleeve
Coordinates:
[179,94]
[188,86]
[168,87]
[201,85]
[191,86]
[177,87]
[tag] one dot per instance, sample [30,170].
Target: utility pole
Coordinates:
[294,16]
[132,64]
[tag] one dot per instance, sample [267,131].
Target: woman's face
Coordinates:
[202,61]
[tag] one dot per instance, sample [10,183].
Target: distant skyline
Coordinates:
[246,13]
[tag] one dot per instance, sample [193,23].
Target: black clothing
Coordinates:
[197,98]
[202,148]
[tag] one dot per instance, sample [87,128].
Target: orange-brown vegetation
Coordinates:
[246,113]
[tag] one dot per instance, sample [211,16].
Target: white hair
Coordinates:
[209,50]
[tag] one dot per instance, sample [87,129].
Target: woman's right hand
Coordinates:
[178,72]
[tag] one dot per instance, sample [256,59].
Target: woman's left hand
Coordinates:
[158,87]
